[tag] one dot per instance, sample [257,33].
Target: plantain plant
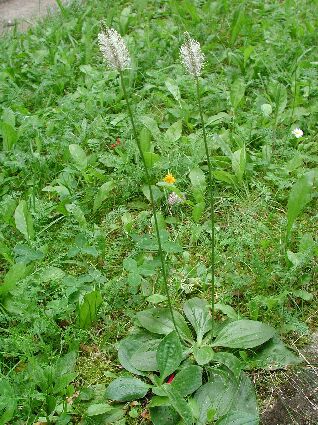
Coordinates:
[191,365]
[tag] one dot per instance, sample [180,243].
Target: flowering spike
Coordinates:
[192,56]
[113,48]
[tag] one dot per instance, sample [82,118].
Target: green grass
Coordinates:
[56,92]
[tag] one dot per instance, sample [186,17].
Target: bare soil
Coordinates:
[295,401]
[23,13]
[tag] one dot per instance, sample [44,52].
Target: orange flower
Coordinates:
[169,178]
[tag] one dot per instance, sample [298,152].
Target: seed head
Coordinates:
[192,56]
[114,49]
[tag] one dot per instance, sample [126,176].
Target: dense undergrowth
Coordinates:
[77,221]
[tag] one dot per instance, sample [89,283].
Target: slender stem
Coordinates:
[152,202]
[211,196]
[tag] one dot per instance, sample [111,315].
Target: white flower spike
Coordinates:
[174,199]
[114,49]
[297,132]
[192,56]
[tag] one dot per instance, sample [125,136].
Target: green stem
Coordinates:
[211,196]
[152,202]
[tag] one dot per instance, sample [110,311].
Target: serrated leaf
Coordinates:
[244,334]
[126,389]
[197,312]
[169,354]
[23,220]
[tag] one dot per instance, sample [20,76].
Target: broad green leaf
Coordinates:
[5,251]
[15,273]
[159,321]
[9,135]
[173,88]
[174,132]
[239,163]
[244,334]
[237,92]
[102,194]
[237,417]
[237,23]
[274,355]
[78,155]
[98,409]
[217,119]
[197,211]
[23,220]
[244,399]
[188,380]
[203,354]
[66,363]
[151,158]
[304,295]
[77,212]
[156,298]
[197,178]
[169,355]
[145,357]
[157,194]
[300,195]
[230,361]
[8,403]
[145,140]
[62,382]
[151,125]
[126,389]
[197,312]
[87,310]
[179,404]
[224,176]
[128,346]
[278,93]
[159,401]
[164,415]
[227,310]
[216,395]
